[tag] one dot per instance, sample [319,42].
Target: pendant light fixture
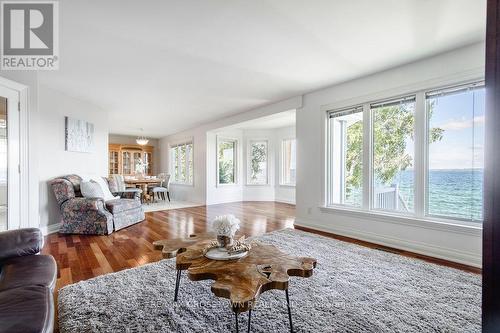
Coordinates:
[142,140]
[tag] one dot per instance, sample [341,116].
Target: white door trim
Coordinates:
[26,209]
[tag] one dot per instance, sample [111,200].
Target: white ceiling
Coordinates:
[166,66]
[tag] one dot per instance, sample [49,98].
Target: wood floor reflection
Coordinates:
[81,257]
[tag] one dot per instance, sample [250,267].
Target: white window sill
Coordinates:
[182,184]
[287,185]
[258,185]
[462,227]
[228,185]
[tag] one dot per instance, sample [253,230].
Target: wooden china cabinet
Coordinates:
[122,158]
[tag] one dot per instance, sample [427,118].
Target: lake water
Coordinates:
[452,193]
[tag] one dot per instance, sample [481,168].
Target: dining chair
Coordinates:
[162,188]
[121,188]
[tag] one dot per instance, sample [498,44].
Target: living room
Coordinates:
[273,166]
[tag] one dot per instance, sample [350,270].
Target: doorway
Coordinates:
[9,159]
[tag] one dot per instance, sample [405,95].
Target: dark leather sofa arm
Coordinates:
[18,243]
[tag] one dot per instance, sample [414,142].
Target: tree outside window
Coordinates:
[258,163]
[226,161]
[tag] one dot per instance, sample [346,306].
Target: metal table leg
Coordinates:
[289,310]
[177,283]
[249,319]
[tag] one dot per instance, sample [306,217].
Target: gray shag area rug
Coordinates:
[353,289]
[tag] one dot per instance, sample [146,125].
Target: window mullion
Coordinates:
[420,154]
[329,158]
[367,157]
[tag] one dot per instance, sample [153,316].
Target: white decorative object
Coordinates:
[79,135]
[225,227]
[140,166]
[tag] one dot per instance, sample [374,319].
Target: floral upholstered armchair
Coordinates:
[92,215]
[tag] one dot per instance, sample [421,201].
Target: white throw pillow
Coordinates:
[91,189]
[105,188]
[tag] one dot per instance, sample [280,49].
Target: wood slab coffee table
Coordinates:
[241,280]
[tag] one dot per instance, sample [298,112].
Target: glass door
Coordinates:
[135,162]
[126,161]
[3,163]
[113,163]
[147,160]
[9,159]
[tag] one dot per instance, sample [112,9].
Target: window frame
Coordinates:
[249,159]
[329,162]
[477,83]
[419,216]
[282,164]
[235,159]
[372,106]
[186,163]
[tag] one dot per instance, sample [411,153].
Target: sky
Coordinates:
[461,116]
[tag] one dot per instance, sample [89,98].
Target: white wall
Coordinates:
[198,192]
[460,244]
[130,140]
[53,160]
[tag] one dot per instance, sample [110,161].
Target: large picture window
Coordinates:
[455,159]
[374,163]
[182,163]
[226,161]
[288,162]
[257,162]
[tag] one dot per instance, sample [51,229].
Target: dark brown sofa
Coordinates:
[27,281]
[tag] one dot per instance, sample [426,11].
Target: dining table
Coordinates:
[143,184]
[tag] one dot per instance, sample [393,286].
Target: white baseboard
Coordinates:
[291,202]
[461,257]
[50,229]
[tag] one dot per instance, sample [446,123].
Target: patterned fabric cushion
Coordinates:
[113,187]
[75,180]
[118,183]
[121,205]
[91,189]
[86,216]
[63,190]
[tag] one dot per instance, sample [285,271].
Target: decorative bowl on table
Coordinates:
[223,254]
